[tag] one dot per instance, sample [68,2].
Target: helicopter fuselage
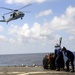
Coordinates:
[16,15]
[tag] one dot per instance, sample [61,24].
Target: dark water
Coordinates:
[22,59]
[19,59]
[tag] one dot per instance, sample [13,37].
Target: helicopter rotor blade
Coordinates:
[27,11]
[15,10]
[24,6]
[7,13]
[7,8]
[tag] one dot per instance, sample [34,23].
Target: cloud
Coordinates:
[40,36]
[40,1]
[64,24]
[27,1]
[44,13]
[24,1]
[25,33]
[9,1]
[2,38]
[48,30]
[72,38]
[1,28]
[65,21]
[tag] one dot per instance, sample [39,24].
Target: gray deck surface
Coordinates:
[31,71]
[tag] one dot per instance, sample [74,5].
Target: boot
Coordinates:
[72,69]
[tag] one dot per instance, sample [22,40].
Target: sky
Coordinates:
[39,30]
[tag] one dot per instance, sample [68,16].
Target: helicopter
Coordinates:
[14,14]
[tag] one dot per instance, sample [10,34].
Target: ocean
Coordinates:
[22,59]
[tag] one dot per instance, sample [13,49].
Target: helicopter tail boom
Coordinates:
[3,19]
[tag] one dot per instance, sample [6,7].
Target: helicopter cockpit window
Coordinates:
[11,14]
[20,13]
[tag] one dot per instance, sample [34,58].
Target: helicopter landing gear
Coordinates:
[21,18]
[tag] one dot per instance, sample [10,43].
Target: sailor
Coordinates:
[70,59]
[45,62]
[59,61]
[52,61]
